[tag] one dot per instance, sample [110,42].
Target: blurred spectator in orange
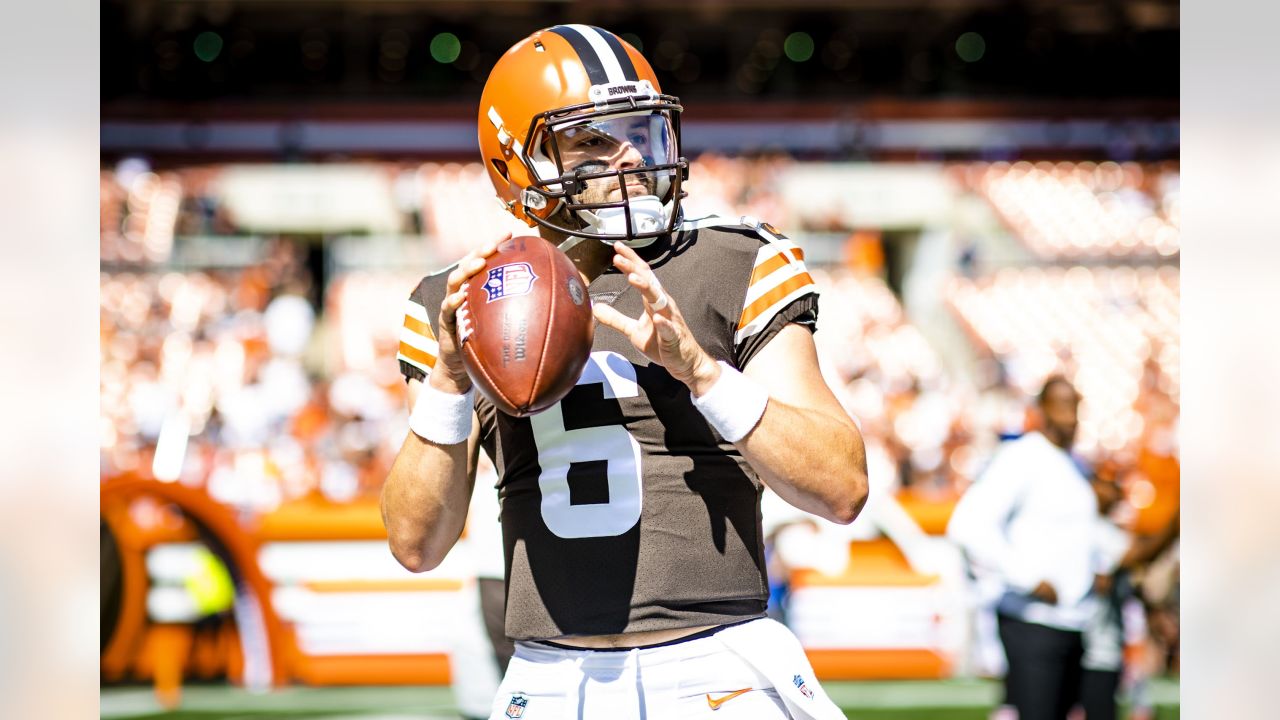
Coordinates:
[1118,556]
[864,253]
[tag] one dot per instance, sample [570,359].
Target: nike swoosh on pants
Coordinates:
[715,703]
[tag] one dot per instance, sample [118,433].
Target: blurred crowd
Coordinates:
[1085,210]
[1113,330]
[223,378]
[263,386]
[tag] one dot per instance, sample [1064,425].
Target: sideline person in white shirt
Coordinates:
[1030,521]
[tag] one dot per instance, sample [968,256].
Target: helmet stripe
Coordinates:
[624,60]
[608,54]
[591,60]
[613,59]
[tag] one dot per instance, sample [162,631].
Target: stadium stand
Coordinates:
[1085,210]
[1098,325]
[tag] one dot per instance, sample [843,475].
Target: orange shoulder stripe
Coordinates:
[416,355]
[762,303]
[775,262]
[768,267]
[416,325]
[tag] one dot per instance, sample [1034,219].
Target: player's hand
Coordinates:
[660,332]
[1045,592]
[449,374]
[1102,584]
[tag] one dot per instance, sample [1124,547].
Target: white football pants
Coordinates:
[753,670]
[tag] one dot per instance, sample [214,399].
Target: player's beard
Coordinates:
[598,190]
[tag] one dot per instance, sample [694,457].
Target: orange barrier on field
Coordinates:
[413,584]
[164,657]
[315,518]
[165,654]
[115,497]
[871,563]
[130,627]
[878,664]
[931,511]
[431,669]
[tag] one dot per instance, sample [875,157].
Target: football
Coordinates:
[526,326]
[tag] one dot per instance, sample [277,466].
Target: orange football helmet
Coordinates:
[572,118]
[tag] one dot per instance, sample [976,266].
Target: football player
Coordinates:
[635,570]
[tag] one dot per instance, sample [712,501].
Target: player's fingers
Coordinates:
[610,317]
[655,297]
[627,260]
[467,267]
[667,331]
[641,282]
[449,307]
[454,300]
[458,275]
[491,247]
[678,349]
[488,248]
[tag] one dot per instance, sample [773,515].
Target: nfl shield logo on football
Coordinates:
[802,687]
[575,290]
[515,708]
[509,280]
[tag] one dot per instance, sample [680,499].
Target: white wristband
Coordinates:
[734,404]
[442,418]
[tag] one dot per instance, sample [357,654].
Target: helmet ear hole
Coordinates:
[501,167]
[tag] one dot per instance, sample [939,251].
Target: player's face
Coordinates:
[1060,417]
[616,143]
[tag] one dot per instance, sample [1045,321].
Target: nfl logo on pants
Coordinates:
[515,708]
[802,686]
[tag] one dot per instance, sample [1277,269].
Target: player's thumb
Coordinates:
[609,317]
[668,335]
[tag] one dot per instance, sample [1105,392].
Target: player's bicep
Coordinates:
[788,368]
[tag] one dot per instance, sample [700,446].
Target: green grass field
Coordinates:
[903,700]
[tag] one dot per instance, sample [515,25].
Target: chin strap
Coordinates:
[647,215]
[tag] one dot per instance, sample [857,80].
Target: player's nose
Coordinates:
[627,157]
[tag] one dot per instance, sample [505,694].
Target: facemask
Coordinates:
[647,215]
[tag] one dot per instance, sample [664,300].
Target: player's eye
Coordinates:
[588,166]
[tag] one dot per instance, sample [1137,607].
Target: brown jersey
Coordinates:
[622,509]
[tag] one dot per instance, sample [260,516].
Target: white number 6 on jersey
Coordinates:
[558,448]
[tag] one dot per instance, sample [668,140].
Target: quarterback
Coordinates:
[635,569]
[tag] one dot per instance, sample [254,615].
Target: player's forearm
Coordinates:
[424,502]
[1145,549]
[812,460]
